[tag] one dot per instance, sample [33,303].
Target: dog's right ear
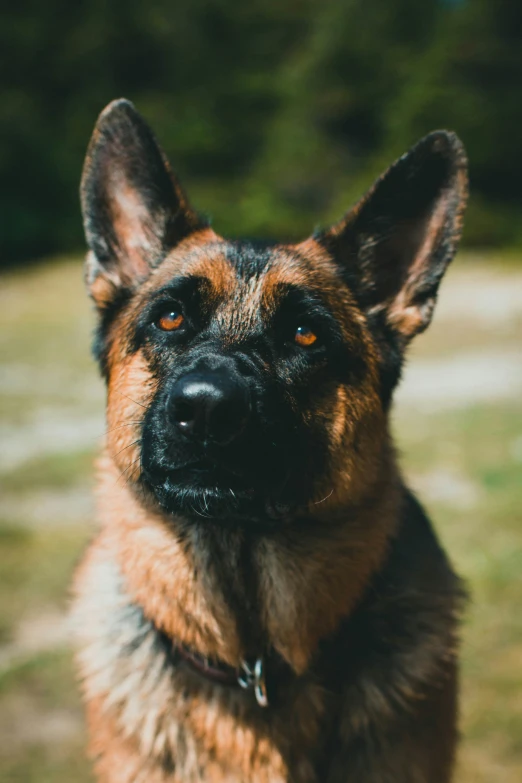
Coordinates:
[133,208]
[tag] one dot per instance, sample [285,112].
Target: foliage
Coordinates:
[276,114]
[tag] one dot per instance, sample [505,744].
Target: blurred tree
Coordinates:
[469,78]
[334,92]
[275,112]
[203,73]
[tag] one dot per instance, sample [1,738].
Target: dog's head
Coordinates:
[250,381]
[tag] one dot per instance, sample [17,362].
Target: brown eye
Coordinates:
[304,336]
[170,322]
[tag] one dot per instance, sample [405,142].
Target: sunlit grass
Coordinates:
[35,566]
[465,464]
[482,447]
[52,471]
[41,723]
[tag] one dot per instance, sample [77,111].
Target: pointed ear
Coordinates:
[133,208]
[397,242]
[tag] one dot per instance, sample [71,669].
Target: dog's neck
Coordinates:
[231,594]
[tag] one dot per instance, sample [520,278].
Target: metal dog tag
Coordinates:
[254,677]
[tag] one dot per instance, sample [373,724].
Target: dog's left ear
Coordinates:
[395,244]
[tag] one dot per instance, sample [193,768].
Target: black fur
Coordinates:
[124,139]
[303,420]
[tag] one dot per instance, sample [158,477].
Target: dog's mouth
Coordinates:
[208,472]
[204,489]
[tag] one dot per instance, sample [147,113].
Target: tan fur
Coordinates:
[309,579]
[137,716]
[345,595]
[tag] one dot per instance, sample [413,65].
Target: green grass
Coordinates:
[39,697]
[465,464]
[42,765]
[481,446]
[52,471]
[35,568]
[45,369]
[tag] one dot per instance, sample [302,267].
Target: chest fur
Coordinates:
[152,716]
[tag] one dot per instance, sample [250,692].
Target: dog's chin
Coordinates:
[225,499]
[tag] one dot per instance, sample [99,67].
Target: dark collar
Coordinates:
[251,675]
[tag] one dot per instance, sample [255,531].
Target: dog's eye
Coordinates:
[304,336]
[170,321]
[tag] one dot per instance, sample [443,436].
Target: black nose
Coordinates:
[210,406]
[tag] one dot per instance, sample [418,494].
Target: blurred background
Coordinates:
[277,114]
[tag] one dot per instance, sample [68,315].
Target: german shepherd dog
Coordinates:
[265,601]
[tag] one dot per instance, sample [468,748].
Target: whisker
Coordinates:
[325,498]
[200,514]
[134,442]
[134,401]
[120,426]
[122,474]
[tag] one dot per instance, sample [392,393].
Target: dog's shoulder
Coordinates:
[399,658]
[403,635]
